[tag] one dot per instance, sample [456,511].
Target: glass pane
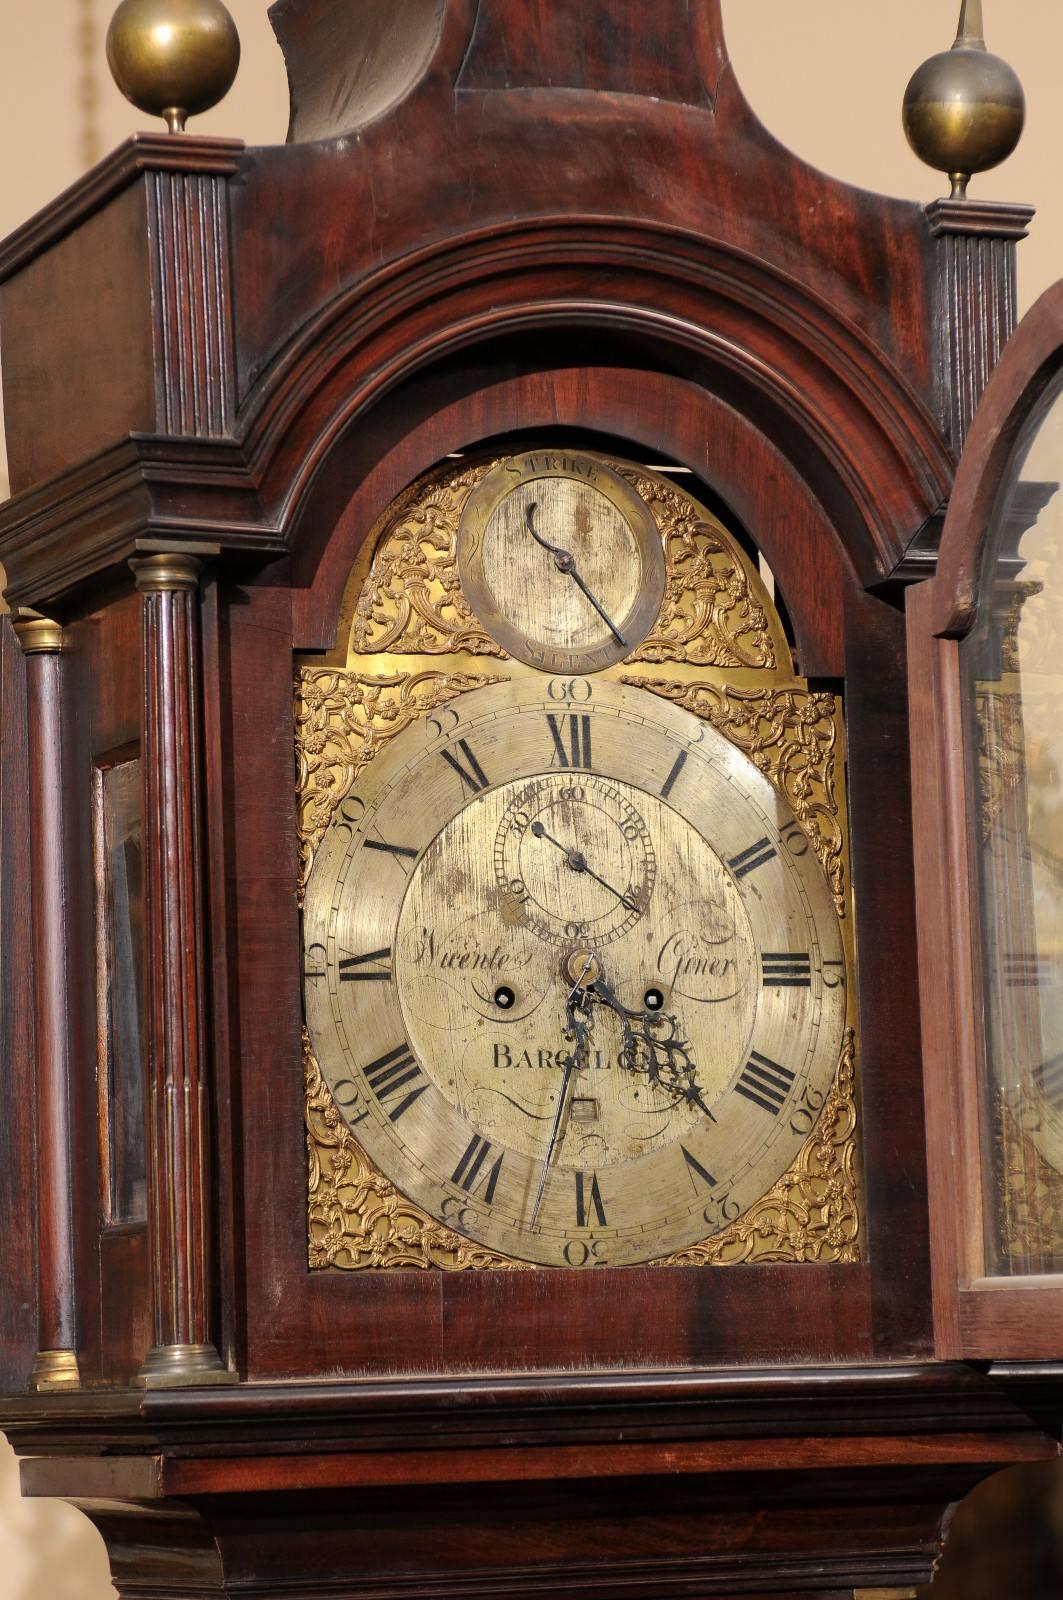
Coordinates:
[119,955]
[1015,700]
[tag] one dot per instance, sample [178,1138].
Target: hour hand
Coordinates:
[653,1045]
[565,562]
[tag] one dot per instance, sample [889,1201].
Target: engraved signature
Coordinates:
[465,953]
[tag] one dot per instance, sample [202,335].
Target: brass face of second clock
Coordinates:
[562,561]
[574,976]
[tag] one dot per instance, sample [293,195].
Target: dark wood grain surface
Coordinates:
[739,1482]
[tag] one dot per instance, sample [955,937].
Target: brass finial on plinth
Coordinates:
[173,58]
[964,109]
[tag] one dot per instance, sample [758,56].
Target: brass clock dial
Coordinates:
[561,560]
[573,974]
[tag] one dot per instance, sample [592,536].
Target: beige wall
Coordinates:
[825,75]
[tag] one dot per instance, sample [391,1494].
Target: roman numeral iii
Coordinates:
[765,1083]
[1050,1078]
[786,970]
[572,740]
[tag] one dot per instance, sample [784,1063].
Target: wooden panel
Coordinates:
[54,360]
[548,43]
[102,686]
[630,152]
[887,978]
[643,1538]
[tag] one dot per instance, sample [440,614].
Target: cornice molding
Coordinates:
[144,152]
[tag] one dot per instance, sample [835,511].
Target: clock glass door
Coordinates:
[1014,701]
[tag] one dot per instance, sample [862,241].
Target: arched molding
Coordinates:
[818,388]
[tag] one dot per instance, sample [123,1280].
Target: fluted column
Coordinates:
[975,298]
[56,1363]
[178,1068]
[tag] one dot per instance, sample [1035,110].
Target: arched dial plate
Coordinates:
[573,973]
[561,560]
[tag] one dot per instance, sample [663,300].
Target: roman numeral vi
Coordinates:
[588,1198]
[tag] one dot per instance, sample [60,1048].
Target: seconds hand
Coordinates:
[565,562]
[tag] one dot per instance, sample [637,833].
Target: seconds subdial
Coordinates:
[576,855]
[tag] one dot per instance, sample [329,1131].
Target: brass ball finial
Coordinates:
[173,58]
[964,109]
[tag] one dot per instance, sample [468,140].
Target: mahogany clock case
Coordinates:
[514,220]
[279,1319]
[678,308]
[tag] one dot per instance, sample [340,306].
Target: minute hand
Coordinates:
[578,1058]
[565,562]
[577,861]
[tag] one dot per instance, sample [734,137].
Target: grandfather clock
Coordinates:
[469,966]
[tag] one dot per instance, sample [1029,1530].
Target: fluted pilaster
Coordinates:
[976,309]
[178,1068]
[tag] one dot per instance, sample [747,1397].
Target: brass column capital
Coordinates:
[167,573]
[36,634]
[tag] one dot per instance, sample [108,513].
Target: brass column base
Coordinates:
[182,1366]
[55,1369]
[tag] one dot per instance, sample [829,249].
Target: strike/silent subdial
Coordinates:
[575,860]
